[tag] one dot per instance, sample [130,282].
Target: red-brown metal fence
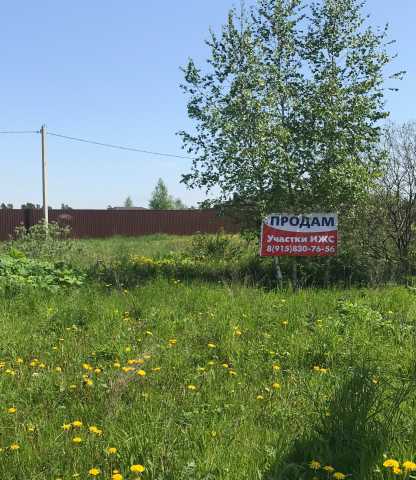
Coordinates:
[107,223]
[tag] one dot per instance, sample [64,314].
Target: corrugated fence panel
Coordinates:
[9,220]
[107,223]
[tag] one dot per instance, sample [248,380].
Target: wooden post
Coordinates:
[294,274]
[278,272]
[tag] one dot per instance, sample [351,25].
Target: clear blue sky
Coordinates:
[109,71]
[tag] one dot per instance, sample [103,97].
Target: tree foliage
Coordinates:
[31,206]
[128,202]
[161,200]
[394,199]
[287,111]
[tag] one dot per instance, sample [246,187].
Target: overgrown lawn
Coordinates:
[206,381]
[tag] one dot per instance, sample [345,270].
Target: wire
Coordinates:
[18,131]
[119,147]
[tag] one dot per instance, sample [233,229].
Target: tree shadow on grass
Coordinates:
[351,436]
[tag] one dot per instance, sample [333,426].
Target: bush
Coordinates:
[52,245]
[132,270]
[19,272]
[215,246]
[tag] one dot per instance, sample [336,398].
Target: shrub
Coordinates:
[19,272]
[52,245]
[217,246]
[130,271]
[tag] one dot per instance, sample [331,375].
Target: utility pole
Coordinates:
[44,177]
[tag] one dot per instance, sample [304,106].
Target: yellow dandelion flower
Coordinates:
[329,469]
[259,397]
[95,429]
[211,345]
[276,386]
[77,440]
[137,468]
[116,476]
[238,333]
[319,369]
[156,369]
[314,465]
[58,369]
[94,472]
[409,466]
[391,463]
[172,342]
[88,382]
[225,365]
[191,387]
[141,373]
[77,424]
[66,426]
[12,410]
[339,476]
[14,446]
[232,373]
[127,369]
[19,360]
[132,361]
[111,450]
[148,332]
[97,370]
[276,367]
[116,364]
[397,470]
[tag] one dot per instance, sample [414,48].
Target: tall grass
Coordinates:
[115,247]
[240,383]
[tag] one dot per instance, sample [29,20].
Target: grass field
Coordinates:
[204,381]
[152,246]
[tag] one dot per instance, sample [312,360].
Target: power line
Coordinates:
[17,132]
[118,147]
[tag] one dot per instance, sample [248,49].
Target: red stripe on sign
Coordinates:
[276,242]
